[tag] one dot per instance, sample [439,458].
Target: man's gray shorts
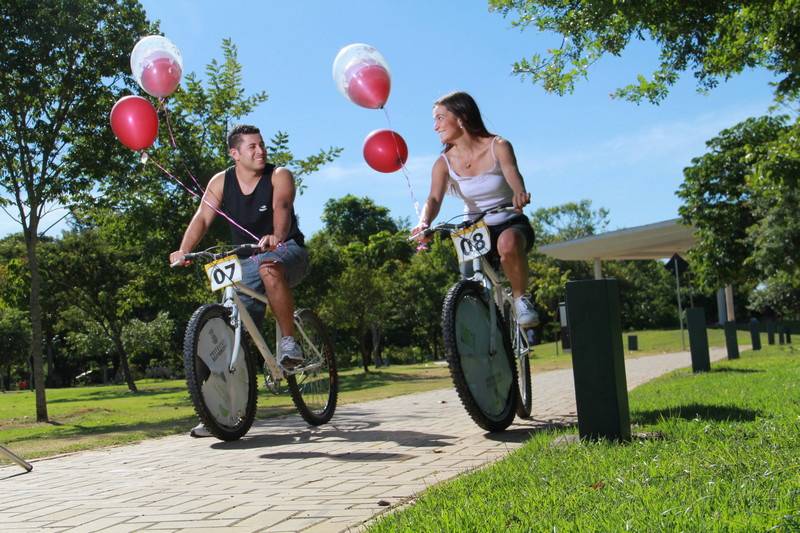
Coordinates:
[294,259]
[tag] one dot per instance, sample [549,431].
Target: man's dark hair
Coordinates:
[235,135]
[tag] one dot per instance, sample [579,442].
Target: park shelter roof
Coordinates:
[652,241]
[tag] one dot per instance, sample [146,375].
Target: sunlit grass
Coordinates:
[723,455]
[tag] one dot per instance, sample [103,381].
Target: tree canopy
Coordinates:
[713,40]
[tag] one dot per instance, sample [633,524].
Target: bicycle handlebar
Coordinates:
[208,254]
[447,227]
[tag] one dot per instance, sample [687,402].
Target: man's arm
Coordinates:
[201,220]
[283,192]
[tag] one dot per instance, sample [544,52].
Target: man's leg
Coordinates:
[279,295]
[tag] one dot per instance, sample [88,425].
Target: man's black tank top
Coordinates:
[253,211]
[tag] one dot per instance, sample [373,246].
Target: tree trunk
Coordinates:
[31,241]
[377,348]
[123,361]
[52,376]
[365,351]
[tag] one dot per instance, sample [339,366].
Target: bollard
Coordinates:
[698,339]
[755,335]
[770,332]
[633,343]
[731,342]
[788,335]
[781,335]
[598,365]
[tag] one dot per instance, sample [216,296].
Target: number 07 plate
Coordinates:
[224,272]
[472,242]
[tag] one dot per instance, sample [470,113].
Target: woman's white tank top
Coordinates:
[483,191]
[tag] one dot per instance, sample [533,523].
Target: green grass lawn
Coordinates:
[727,458]
[90,417]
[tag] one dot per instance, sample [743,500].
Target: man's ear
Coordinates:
[234,153]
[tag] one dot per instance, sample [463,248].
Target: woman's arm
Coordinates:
[508,164]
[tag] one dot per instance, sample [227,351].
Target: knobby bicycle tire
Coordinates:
[524,385]
[485,383]
[314,392]
[224,401]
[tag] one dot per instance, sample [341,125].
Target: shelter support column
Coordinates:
[598,268]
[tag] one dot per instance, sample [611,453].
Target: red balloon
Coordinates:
[385,150]
[161,77]
[368,85]
[134,122]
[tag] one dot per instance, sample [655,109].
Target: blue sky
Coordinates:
[624,157]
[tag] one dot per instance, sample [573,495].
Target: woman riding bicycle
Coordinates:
[481,169]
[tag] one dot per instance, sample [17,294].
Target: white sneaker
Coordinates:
[200,430]
[527,316]
[291,354]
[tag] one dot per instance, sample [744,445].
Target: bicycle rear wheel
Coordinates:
[314,386]
[224,400]
[484,381]
[520,347]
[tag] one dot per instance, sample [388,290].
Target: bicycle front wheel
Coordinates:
[314,386]
[484,379]
[520,347]
[224,399]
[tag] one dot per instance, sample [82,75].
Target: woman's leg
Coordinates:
[511,245]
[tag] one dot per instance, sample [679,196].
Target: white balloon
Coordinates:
[150,48]
[350,56]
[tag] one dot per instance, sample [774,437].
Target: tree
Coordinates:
[98,278]
[15,335]
[713,40]
[354,219]
[719,203]
[62,64]
[743,198]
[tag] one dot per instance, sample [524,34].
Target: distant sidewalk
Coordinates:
[285,475]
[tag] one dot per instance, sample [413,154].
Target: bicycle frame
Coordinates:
[240,315]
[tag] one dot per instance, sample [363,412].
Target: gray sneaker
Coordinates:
[199,431]
[291,354]
[527,317]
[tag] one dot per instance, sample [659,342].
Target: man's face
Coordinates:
[251,152]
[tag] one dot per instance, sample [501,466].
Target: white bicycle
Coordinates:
[482,338]
[221,374]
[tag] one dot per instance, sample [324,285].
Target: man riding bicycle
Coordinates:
[259,197]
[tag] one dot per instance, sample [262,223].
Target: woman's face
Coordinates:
[446,125]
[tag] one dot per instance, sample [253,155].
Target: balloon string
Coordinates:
[402,163]
[202,199]
[162,105]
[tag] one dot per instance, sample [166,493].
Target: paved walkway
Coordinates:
[284,475]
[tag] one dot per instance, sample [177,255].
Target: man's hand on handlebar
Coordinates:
[177,258]
[269,242]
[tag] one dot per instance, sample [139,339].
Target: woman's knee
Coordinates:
[510,243]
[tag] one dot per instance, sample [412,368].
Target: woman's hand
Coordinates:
[418,233]
[521,199]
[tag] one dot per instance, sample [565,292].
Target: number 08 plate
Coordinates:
[224,272]
[472,242]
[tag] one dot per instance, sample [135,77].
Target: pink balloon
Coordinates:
[161,77]
[135,122]
[385,150]
[368,85]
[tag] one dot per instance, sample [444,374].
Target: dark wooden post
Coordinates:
[698,339]
[598,364]
[731,342]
